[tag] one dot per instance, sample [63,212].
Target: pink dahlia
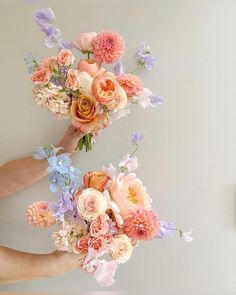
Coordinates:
[132,84]
[108,47]
[40,215]
[142,225]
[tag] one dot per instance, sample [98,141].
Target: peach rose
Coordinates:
[72,81]
[104,87]
[128,193]
[96,180]
[84,42]
[85,114]
[41,76]
[88,65]
[120,100]
[121,248]
[98,244]
[82,245]
[91,203]
[99,227]
[65,57]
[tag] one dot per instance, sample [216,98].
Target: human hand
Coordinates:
[70,139]
[63,262]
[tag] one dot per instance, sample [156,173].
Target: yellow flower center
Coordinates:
[132,196]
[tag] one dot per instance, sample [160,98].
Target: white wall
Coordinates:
[187,160]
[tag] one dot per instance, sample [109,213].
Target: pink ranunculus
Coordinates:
[100,226]
[108,47]
[132,84]
[65,57]
[105,87]
[84,42]
[129,193]
[98,243]
[88,65]
[72,81]
[82,245]
[41,76]
[142,224]
[50,63]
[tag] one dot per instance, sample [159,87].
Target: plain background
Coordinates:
[187,160]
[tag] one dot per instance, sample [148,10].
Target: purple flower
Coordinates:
[119,68]
[167,229]
[144,58]
[65,44]
[57,80]
[156,100]
[44,16]
[62,206]
[30,62]
[136,137]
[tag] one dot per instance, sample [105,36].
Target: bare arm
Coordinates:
[19,174]
[19,266]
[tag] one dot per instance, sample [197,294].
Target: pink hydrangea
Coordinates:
[108,47]
[132,84]
[40,215]
[142,224]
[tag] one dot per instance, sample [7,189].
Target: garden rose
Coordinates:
[82,245]
[98,244]
[91,203]
[121,248]
[84,42]
[132,84]
[65,57]
[104,87]
[120,100]
[99,227]
[50,63]
[72,81]
[85,114]
[41,76]
[88,65]
[96,180]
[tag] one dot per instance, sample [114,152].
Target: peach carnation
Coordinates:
[108,47]
[132,84]
[40,215]
[142,225]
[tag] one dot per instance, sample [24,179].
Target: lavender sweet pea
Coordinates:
[136,138]
[144,58]
[44,16]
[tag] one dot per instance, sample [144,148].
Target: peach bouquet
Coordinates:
[102,219]
[82,89]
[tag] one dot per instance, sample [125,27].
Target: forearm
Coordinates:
[19,174]
[18,266]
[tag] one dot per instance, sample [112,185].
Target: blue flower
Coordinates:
[60,164]
[45,152]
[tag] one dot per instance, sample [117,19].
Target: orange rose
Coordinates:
[104,87]
[85,114]
[96,180]
[72,81]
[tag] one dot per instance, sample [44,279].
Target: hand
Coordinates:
[63,262]
[70,139]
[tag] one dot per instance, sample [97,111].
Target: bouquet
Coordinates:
[102,219]
[85,91]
